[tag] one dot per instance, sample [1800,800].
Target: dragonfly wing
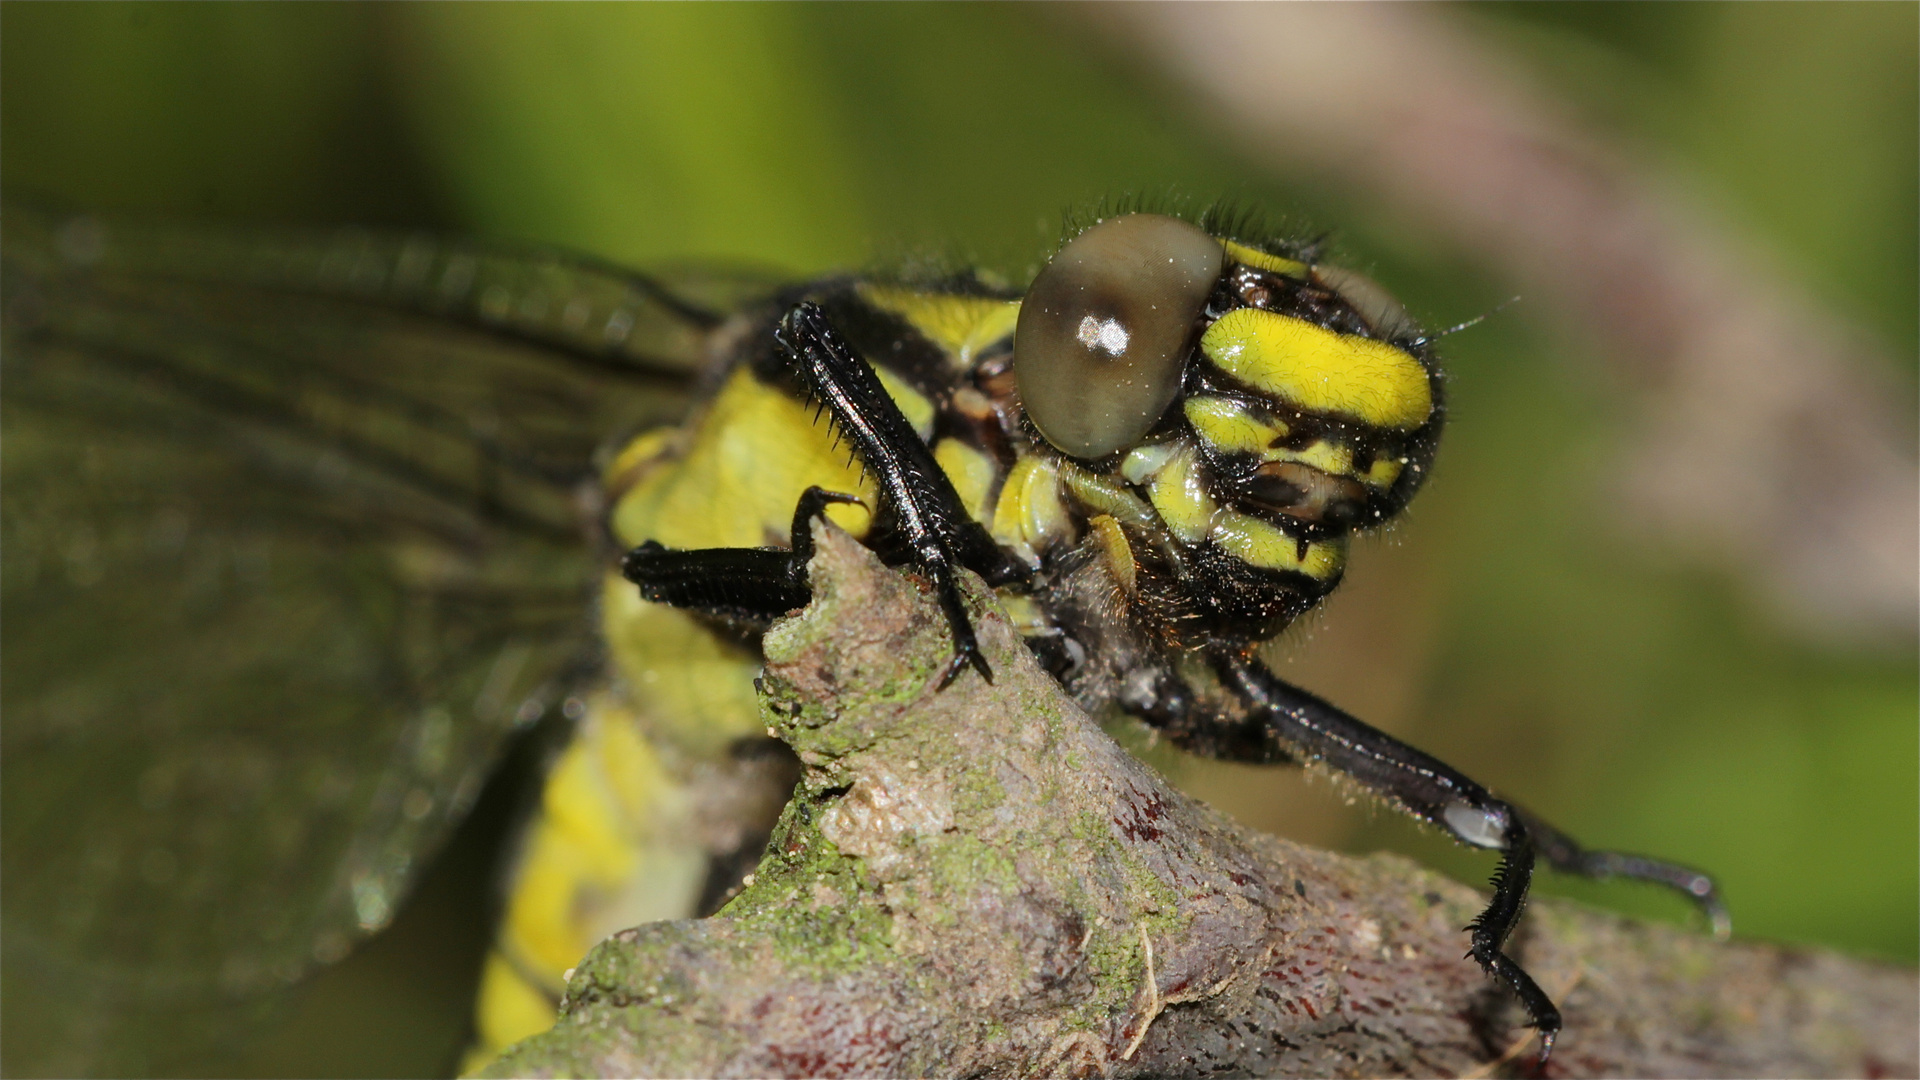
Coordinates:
[296,533]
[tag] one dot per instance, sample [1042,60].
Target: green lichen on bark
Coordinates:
[979,881]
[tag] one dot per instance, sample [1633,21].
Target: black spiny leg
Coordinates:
[1285,723]
[938,534]
[1561,853]
[752,583]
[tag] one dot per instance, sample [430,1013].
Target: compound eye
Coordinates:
[1387,317]
[1102,339]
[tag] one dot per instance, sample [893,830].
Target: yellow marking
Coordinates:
[913,404]
[1258,543]
[745,464]
[962,325]
[612,846]
[1261,260]
[1334,459]
[1024,614]
[693,688]
[610,815]
[640,452]
[1231,426]
[1384,471]
[971,471]
[510,1009]
[1106,495]
[1316,369]
[615,843]
[1180,498]
[1143,463]
[1030,517]
[1119,553]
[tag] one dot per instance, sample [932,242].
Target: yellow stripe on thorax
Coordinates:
[739,471]
[962,325]
[912,403]
[971,471]
[1315,369]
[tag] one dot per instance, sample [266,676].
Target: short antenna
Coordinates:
[1427,339]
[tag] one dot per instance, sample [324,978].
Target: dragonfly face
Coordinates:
[1260,415]
[1157,454]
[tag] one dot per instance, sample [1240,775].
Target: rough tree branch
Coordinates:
[979,882]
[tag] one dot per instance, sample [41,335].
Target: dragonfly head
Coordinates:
[1306,390]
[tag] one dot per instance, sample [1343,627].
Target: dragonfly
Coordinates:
[305,529]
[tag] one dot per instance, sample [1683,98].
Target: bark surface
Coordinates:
[980,882]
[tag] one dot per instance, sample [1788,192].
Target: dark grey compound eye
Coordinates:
[1104,329]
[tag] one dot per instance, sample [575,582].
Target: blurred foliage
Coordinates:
[1636,700]
[1795,123]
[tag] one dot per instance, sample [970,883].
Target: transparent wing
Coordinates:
[293,534]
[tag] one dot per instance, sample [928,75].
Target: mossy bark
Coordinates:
[977,881]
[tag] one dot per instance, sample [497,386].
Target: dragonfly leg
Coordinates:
[936,534]
[1283,723]
[751,583]
[930,528]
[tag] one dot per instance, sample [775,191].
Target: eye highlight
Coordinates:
[1103,332]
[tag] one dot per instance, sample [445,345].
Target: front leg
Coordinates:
[756,584]
[1286,724]
[939,536]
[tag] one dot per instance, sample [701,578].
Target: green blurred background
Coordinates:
[1638,699]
